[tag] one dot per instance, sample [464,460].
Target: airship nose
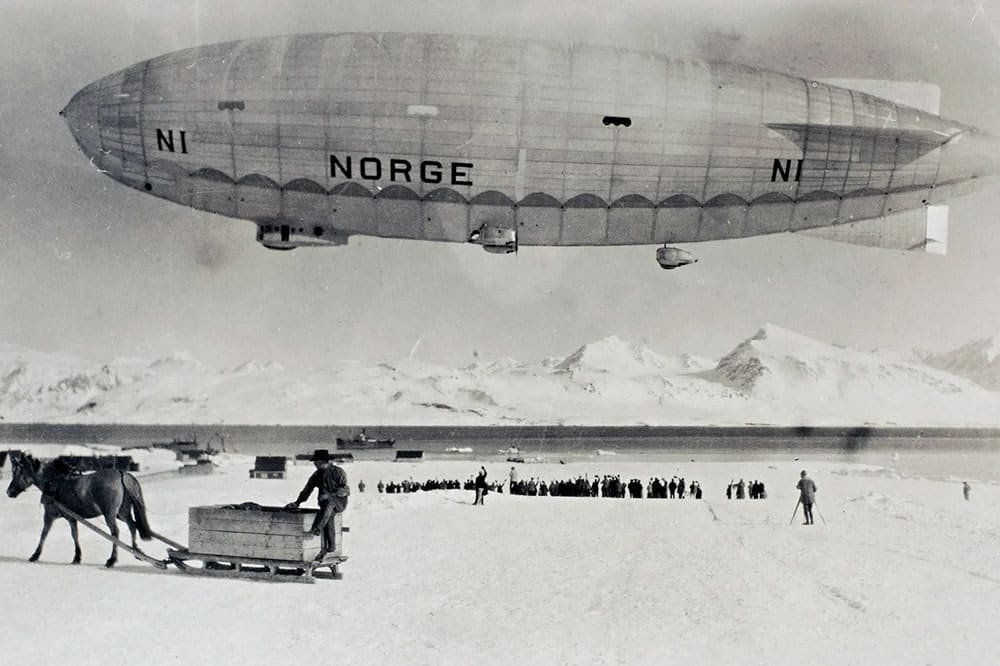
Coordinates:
[81,114]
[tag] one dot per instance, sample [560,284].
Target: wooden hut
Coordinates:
[411,455]
[268,467]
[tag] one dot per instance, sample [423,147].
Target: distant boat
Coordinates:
[184,449]
[363,441]
[458,449]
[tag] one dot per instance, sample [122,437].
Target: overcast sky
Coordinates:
[92,268]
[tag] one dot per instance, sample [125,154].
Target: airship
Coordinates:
[504,143]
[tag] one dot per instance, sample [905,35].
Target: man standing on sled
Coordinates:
[331,481]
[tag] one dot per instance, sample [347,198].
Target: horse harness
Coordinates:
[49,494]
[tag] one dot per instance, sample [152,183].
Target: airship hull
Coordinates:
[431,137]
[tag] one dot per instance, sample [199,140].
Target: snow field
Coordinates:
[903,571]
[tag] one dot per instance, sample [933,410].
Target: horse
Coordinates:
[107,492]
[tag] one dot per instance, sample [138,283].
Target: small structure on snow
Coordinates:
[268,467]
[199,468]
[409,455]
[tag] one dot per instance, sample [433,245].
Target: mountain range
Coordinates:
[774,377]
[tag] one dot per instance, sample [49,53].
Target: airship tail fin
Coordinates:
[921,230]
[916,94]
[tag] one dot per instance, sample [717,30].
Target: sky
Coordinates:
[92,268]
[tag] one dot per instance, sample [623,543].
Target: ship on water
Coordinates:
[184,449]
[363,441]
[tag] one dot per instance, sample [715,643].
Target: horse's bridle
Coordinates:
[22,467]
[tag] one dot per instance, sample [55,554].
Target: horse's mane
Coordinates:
[48,476]
[53,475]
[58,469]
[26,459]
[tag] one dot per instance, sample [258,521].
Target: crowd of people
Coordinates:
[606,486]
[673,489]
[583,486]
[742,490]
[411,486]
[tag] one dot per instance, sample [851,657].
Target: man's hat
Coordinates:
[321,455]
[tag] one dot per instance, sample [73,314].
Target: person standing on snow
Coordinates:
[480,486]
[513,480]
[807,495]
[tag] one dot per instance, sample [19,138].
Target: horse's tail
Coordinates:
[134,493]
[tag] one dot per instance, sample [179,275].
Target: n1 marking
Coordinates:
[785,170]
[167,140]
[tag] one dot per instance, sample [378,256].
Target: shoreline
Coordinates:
[937,465]
[250,438]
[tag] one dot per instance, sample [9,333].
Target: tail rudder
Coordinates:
[134,492]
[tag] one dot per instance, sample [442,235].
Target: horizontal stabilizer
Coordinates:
[923,230]
[923,96]
[928,138]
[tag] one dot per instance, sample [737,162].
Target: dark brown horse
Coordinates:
[107,492]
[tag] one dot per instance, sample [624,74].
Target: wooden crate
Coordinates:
[270,533]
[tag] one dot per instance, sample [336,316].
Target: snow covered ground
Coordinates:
[902,571]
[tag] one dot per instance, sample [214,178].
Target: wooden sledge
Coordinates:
[249,568]
[257,543]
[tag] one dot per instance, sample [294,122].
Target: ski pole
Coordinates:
[796,511]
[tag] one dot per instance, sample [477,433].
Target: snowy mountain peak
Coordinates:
[178,360]
[500,365]
[614,355]
[771,346]
[978,361]
[777,336]
[982,352]
[816,378]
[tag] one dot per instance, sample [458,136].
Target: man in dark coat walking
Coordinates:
[331,481]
